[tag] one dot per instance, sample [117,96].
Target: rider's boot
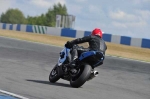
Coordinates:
[74,57]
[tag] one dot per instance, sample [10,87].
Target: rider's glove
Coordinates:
[68,44]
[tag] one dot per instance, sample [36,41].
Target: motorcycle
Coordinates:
[79,74]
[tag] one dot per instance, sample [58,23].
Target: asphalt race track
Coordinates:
[25,67]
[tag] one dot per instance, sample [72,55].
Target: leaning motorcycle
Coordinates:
[79,74]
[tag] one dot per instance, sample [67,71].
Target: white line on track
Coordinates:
[62,47]
[30,41]
[128,59]
[12,94]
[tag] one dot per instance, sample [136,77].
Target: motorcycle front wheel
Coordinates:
[53,76]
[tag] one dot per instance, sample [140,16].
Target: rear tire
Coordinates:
[82,78]
[53,76]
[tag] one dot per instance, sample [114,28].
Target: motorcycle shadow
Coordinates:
[48,83]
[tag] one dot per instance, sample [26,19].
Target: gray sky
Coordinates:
[117,17]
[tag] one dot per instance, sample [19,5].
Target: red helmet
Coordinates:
[97,31]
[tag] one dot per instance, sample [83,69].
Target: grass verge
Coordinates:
[113,49]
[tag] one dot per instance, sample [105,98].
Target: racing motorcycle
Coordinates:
[79,74]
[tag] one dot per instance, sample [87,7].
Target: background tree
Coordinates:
[52,12]
[48,19]
[37,20]
[14,16]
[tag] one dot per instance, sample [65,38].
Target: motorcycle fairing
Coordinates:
[86,54]
[63,56]
[91,53]
[99,61]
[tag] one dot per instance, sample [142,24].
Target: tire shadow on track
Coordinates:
[48,83]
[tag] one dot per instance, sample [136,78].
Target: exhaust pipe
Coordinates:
[93,74]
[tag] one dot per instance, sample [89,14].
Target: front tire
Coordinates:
[82,77]
[53,76]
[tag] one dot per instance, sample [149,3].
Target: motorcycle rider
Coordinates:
[96,43]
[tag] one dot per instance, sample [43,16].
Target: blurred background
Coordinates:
[117,17]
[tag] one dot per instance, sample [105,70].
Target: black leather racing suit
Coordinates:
[95,44]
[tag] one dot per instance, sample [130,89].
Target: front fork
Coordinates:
[60,70]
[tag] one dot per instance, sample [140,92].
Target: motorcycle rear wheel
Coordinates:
[82,77]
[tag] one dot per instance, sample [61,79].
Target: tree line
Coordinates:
[15,16]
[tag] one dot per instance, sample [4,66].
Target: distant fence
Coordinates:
[138,42]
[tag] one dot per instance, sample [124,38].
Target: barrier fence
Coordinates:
[138,42]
